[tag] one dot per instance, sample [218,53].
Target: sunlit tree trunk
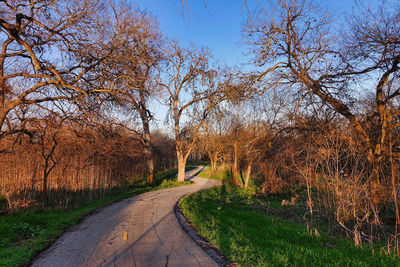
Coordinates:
[213,159]
[181,166]
[248,173]
[235,162]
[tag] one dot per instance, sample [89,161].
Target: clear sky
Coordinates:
[216,26]
[217,23]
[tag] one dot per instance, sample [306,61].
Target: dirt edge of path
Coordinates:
[202,242]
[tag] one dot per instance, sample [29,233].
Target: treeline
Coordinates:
[62,162]
[78,82]
[76,79]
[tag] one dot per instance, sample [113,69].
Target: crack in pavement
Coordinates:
[166,264]
[155,230]
[133,257]
[168,255]
[193,256]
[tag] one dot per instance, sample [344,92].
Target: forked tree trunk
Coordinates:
[47,168]
[214,159]
[46,173]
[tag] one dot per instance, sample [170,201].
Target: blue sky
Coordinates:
[218,25]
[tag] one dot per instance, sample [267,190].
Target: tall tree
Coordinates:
[296,44]
[212,140]
[191,94]
[131,71]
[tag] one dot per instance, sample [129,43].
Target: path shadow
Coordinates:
[156,248]
[191,176]
[110,261]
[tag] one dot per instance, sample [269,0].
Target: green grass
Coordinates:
[24,234]
[235,221]
[222,174]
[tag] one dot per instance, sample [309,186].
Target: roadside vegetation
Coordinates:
[222,173]
[25,233]
[257,230]
[317,114]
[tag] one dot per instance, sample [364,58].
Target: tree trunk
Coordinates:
[181,166]
[147,145]
[214,160]
[248,172]
[47,167]
[3,115]
[150,166]
[235,162]
[148,152]
[45,175]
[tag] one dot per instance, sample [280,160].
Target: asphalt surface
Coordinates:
[138,231]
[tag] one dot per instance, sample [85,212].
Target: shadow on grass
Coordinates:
[225,216]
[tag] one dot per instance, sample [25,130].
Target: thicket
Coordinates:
[316,162]
[325,116]
[65,166]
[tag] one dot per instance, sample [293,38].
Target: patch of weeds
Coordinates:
[173,183]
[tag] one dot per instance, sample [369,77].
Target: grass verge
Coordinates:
[24,234]
[233,220]
[222,174]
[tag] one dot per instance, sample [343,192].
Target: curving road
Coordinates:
[138,231]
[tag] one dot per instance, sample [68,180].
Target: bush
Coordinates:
[274,185]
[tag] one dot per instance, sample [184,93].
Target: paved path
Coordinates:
[138,231]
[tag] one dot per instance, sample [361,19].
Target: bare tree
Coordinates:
[49,51]
[212,140]
[295,42]
[130,72]
[256,143]
[191,94]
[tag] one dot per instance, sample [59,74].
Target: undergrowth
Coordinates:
[258,230]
